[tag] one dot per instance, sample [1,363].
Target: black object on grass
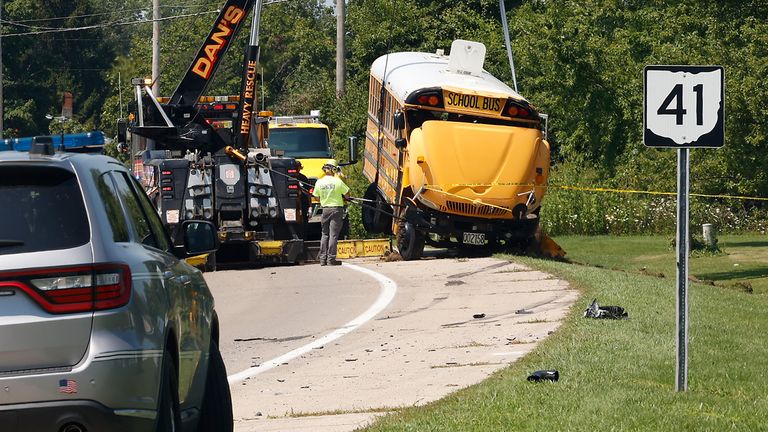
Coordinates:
[605,312]
[544,375]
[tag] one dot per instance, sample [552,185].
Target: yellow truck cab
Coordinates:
[302,137]
[308,140]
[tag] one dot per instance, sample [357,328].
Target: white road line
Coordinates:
[388,291]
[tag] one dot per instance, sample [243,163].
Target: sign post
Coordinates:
[683,108]
[683,184]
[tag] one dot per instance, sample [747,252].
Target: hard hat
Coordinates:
[331,164]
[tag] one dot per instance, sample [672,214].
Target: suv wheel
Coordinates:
[216,414]
[168,416]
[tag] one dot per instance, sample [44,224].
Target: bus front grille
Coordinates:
[468,208]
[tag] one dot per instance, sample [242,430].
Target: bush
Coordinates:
[590,212]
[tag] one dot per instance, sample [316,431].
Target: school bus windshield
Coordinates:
[417,117]
[301,142]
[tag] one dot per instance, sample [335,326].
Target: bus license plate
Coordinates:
[477,239]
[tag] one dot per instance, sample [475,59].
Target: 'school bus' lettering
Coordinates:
[472,103]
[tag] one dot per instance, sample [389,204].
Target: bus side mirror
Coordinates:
[352,150]
[401,143]
[545,125]
[399,121]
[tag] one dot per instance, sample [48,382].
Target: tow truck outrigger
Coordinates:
[206,158]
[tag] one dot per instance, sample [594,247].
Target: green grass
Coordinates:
[744,261]
[619,375]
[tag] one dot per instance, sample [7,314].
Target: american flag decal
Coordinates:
[67,386]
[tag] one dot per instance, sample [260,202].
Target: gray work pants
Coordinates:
[330,225]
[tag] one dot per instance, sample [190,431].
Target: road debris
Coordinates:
[594,310]
[544,375]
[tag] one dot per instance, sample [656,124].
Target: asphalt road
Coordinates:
[330,348]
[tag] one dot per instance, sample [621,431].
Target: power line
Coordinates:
[47,30]
[180,5]
[109,24]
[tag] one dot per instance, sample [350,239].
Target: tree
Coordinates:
[40,66]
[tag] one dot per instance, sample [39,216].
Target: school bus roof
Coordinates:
[411,71]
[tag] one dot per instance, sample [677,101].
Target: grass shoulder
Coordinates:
[619,375]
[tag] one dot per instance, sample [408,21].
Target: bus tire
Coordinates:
[410,241]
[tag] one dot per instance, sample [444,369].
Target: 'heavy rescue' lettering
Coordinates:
[204,64]
[250,84]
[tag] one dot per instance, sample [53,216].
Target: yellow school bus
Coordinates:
[455,157]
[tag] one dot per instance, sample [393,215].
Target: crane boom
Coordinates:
[248,85]
[206,62]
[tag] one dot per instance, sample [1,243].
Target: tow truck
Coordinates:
[204,157]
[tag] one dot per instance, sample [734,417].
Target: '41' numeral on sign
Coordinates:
[683,106]
[677,95]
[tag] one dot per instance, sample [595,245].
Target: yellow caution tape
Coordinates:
[659,193]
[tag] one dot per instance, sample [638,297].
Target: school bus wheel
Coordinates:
[410,241]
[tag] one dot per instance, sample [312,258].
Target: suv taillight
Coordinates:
[74,289]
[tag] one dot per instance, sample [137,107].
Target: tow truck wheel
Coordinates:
[344,234]
[210,262]
[410,242]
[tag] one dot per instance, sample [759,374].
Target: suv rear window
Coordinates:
[41,208]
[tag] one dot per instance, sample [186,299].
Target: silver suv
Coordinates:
[102,326]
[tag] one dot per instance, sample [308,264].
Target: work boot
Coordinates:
[334,262]
[322,263]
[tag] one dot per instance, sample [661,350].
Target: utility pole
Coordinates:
[155,47]
[340,49]
[155,57]
[506,41]
[2,103]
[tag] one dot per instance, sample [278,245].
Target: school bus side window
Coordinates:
[373,100]
[371,95]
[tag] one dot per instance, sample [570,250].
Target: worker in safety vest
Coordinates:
[331,191]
